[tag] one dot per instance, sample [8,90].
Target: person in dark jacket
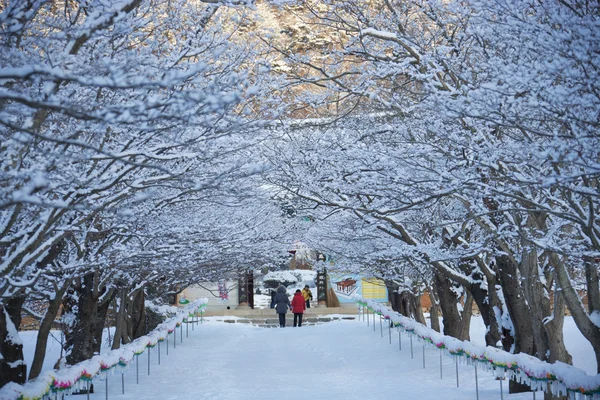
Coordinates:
[273,293]
[298,307]
[282,304]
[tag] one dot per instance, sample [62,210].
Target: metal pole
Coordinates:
[368,317]
[476,383]
[456,358]
[106,386]
[167,343]
[137,369]
[501,391]
[187,328]
[390,330]
[122,383]
[399,340]
[148,349]
[373,320]
[381,325]
[423,355]
[175,337]
[181,332]
[533,395]
[193,321]
[88,390]
[411,347]
[201,314]
[441,371]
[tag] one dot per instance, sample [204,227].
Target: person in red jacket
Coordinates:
[298,307]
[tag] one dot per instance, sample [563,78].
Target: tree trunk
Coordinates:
[392,291]
[590,331]
[12,364]
[521,341]
[403,304]
[410,306]
[44,331]
[486,300]
[120,319]
[101,320]
[434,311]
[138,314]
[82,337]
[456,323]
[417,308]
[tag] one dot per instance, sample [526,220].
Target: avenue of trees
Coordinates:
[449,148]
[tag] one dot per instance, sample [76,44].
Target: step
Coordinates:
[273,322]
[270,313]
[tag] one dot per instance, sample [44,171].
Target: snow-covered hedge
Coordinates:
[559,378]
[78,376]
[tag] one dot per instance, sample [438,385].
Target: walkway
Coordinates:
[337,360]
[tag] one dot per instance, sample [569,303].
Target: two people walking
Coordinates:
[282,305]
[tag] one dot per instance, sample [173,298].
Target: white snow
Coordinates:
[337,360]
[595,318]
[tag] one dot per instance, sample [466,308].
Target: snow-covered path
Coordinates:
[338,360]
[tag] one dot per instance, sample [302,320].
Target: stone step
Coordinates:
[270,313]
[289,320]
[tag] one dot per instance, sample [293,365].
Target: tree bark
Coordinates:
[44,331]
[434,311]
[521,340]
[103,307]
[12,364]
[82,337]
[120,319]
[456,323]
[138,314]
[590,331]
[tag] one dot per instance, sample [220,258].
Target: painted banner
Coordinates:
[346,286]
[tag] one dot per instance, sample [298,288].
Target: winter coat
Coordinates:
[307,294]
[282,303]
[298,303]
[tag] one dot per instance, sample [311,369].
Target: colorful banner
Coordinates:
[346,286]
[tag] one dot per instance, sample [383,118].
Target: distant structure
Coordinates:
[303,257]
[346,286]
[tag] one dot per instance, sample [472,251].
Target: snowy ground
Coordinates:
[337,360]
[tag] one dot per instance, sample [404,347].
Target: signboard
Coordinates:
[346,286]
